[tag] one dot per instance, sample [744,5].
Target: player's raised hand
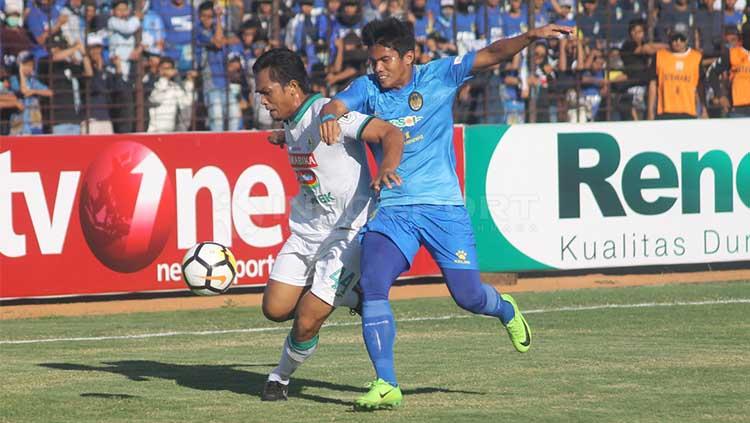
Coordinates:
[387,177]
[277,138]
[329,130]
[551,31]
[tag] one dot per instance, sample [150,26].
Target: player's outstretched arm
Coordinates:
[506,48]
[380,131]
[329,115]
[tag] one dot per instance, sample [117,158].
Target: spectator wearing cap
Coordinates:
[444,23]
[677,14]
[566,12]
[422,19]
[30,89]
[9,102]
[708,24]
[104,82]
[64,69]
[676,78]
[177,17]
[735,64]
[122,27]
[170,103]
[210,56]
[13,37]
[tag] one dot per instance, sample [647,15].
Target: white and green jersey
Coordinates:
[334,179]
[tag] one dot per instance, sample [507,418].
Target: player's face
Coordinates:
[277,99]
[391,70]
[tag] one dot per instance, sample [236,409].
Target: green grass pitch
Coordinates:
[677,353]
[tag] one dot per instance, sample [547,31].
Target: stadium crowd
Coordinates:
[116,66]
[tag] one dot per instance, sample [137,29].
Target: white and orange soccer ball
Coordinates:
[209,268]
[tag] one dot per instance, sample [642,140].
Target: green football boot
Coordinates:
[382,395]
[518,329]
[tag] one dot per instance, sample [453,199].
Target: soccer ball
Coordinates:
[209,268]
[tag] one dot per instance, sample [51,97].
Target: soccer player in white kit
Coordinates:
[333,203]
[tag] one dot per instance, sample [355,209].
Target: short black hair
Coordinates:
[391,33]
[205,6]
[118,2]
[284,67]
[636,22]
[166,59]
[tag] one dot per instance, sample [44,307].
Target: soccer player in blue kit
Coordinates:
[428,208]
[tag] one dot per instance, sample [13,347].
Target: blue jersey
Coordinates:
[423,111]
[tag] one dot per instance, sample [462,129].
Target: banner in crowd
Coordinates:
[115,214]
[563,196]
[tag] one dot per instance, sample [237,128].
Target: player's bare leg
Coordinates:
[280,300]
[300,345]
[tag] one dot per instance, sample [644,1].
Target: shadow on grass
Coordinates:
[225,378]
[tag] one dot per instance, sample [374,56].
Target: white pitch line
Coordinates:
[412,319]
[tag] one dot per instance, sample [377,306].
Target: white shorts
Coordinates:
[330,266]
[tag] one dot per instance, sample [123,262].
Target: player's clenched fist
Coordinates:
[277,138]
[329,129]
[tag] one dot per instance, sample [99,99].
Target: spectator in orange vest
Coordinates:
[734,66]
[675,78]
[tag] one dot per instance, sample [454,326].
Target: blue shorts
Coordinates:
[444,230]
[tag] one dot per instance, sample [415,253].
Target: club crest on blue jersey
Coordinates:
[415,101]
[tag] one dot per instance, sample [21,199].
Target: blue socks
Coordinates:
[496,306]
[379,333]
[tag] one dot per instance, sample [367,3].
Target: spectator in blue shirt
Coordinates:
[43,21]
[490,20]
[421,19]
[466,26]
[122,27]
[28,87]
[732,17]
[178,26]
[566,13]
[211,54]
[444,22]
[301,31]
[153,35]
[348,19]
[514,20]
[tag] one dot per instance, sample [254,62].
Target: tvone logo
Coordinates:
[571,176]
[127,203]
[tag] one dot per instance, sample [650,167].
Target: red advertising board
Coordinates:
[115,214]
